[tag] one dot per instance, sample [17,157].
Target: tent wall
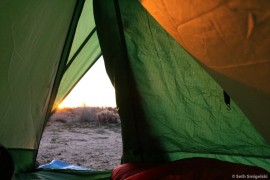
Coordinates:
[33,39]
[84,52]
[169,106]
[118,69]
[231,39]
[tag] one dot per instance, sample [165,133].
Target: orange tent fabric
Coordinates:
[231,40]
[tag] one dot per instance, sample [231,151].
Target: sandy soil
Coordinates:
[86,144]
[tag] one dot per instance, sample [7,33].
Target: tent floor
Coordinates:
[64,175]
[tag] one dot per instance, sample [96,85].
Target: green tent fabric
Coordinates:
[66,174]
[229,39]
[84,52]
[173,108]
[170,107]
[33,35]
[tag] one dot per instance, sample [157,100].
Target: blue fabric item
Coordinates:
[56,164]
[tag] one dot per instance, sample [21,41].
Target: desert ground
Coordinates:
[84,136]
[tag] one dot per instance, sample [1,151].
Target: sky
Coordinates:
[94,89]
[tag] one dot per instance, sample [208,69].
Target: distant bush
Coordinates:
[64,115]
[87,113]
[99,115]
[108,116]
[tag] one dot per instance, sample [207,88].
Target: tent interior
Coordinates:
[191,78]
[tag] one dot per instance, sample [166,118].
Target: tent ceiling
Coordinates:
[231,40]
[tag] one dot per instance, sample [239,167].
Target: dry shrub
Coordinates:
[108,116]
[64,115]
[99,115]
[86,114]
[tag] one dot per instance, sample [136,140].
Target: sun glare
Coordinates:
[94,89]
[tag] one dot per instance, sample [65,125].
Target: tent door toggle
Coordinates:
[227,100]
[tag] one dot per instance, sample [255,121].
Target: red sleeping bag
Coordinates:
[193,168]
